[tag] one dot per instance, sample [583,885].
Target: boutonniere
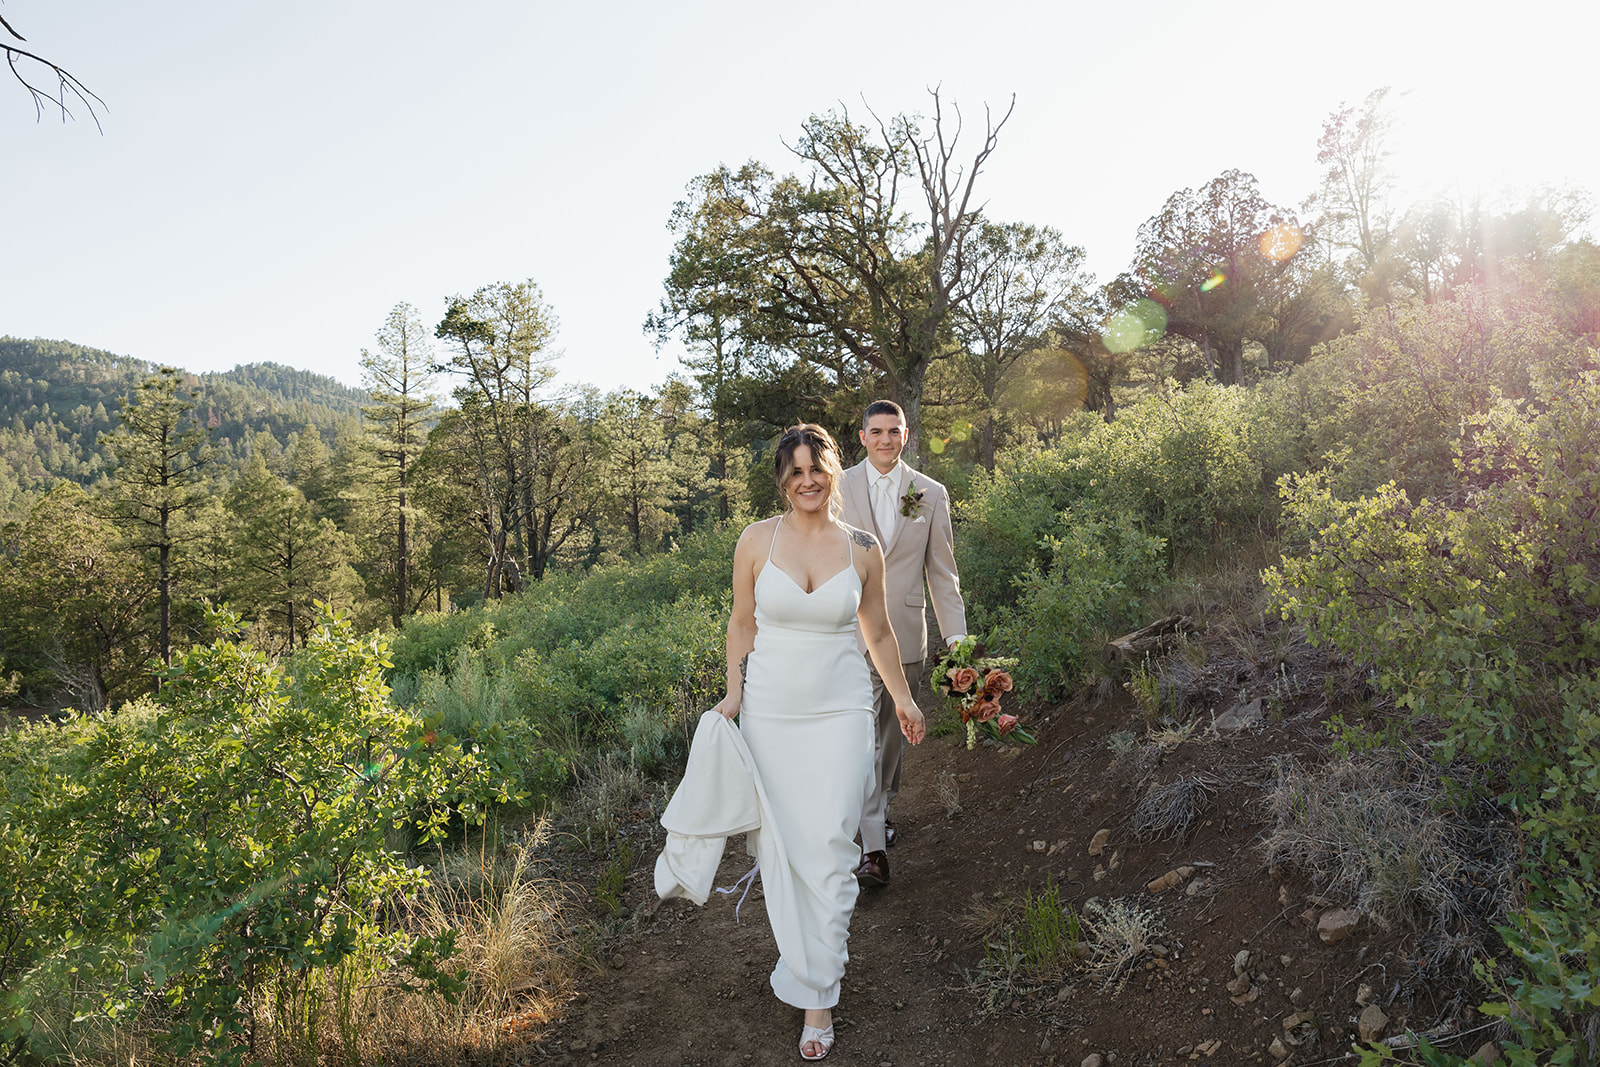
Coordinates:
[912,500]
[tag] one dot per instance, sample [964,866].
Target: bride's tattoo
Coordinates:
[744,668]
[862,538]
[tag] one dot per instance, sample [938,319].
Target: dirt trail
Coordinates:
[690,987]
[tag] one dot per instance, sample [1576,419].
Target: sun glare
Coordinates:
[1483,148]
[1281,242]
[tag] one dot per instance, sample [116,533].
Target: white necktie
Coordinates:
[883,503]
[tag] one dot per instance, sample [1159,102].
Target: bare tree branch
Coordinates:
[67,83]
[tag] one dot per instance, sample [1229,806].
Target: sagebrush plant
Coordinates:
[1481,610]
[1121,932]
[1170,810]
[1122,742]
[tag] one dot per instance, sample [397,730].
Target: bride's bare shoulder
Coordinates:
[759,533]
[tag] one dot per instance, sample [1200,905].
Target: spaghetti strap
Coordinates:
[774,542]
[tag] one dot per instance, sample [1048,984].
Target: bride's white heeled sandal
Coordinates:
[822,1036]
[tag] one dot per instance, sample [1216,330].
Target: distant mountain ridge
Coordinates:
[57,398]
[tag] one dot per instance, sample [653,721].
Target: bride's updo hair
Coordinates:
[823,449]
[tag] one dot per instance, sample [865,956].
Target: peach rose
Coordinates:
[1005,724]
[985,709]
[997,682]
[962,679]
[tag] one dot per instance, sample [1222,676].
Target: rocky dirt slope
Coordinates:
[1238,962]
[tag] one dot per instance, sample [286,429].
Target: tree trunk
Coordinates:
[906,391]
[402,555]
[1231,364]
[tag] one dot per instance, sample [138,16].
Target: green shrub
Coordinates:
[475,704]
[1483,612]
[613,657]
[1004,523]
[1060,546]
[1100,571]
[1185,463]
[221,845]
[1388,401]
[672,653]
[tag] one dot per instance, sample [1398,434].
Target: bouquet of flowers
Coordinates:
[974,682]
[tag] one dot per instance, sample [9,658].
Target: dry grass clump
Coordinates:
[1378,830]
[1120,935]
[606,788]
[513,940]
[984,915]
[1170,810]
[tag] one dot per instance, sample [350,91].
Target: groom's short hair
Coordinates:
[881,407]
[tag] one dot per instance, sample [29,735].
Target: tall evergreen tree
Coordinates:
[398,377]
[638,470]
[501,337]
[160,449]
[283,557]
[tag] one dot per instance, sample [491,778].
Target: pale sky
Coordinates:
[273,178]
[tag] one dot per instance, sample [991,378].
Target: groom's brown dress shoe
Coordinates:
[889,834]
[874,869]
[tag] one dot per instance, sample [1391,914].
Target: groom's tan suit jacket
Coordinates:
[920,544]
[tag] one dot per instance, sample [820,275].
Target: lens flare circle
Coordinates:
[1281,242]
[1213,281]
[1135,326]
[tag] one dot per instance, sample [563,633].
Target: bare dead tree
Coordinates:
[67,87]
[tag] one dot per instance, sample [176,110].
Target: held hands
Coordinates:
[911,721]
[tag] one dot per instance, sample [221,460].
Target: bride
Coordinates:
[801,583]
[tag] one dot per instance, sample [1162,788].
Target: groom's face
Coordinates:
[884,438]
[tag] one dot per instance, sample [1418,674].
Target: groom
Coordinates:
[910,513]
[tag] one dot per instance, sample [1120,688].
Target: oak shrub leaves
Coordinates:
[1481,610]
[224,837]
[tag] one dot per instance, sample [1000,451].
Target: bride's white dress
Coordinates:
[807,719]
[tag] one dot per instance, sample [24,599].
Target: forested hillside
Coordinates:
[57,398]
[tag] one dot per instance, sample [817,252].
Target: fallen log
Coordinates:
[1158,636]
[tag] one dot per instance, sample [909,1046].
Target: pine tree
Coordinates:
[398,377]
[160,449]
